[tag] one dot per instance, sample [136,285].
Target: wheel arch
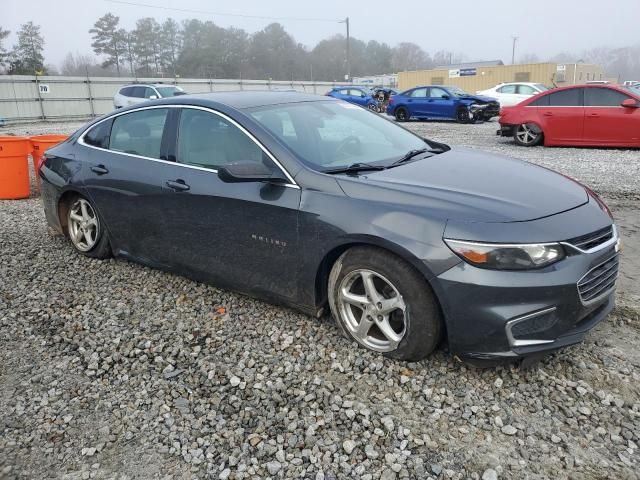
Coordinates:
[326,264]
[63,207]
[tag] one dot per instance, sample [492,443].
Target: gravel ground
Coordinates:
[114,370]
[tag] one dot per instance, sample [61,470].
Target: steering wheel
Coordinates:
[350,140]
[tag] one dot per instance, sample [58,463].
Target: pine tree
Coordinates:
[27,57]
[109,40]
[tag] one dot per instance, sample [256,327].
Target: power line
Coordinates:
[218,14]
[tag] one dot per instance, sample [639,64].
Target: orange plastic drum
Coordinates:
[40,143]
[14,167]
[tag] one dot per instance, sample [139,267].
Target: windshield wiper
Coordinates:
[412,153]
[355,168]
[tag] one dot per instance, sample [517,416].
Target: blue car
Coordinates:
[442,103]
[358,95]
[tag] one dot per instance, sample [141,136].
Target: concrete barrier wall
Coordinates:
[29,98]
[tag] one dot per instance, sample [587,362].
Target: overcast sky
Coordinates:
[481,29]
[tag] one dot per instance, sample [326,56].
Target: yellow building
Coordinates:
[472,77]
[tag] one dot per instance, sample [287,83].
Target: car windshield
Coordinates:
[332,135]
[170,91]
[458,92]
[632,89]
[541,87]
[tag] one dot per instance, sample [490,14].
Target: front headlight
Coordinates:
[498,256]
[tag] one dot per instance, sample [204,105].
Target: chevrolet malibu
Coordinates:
[320,205]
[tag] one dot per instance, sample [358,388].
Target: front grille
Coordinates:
[599,280]
[592,240]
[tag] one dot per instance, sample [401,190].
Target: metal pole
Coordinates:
[348,53]
[40,97]
[93,112]
[513,50]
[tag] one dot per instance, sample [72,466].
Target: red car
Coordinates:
[580,115]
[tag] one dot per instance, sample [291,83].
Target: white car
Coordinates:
[138,93]
[509,94]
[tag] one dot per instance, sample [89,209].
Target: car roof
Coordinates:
[245,99]
[149,85]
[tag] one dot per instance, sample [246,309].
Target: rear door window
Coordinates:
[507,89]
[419,93]
[566,98]
[540,102]
[139,133]
[137,92]
[603,97]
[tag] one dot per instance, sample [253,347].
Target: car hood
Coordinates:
[481,98]
[470,185]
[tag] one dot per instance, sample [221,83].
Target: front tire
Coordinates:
[86,229]
[528,135]
[463,115]
[384,304]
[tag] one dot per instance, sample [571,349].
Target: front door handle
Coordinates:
[178,185]
[99,169]
[548,114]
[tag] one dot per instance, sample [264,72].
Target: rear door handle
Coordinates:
[594,114]
[178,185]
[99,169]
[548,114]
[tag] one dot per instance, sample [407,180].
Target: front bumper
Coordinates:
[507,315]
[506,131]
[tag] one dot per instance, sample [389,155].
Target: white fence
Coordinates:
[29,98]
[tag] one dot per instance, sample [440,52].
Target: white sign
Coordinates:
[561,68]
[44,88]
[454,73]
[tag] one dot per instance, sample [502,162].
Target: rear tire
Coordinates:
[528,135]
[402,114]
[384,304]
[86,229]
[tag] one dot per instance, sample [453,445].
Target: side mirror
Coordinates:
[153,97]
[242,172]
[630,103]
[446,97]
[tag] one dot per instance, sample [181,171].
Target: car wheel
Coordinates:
[86,229]
[384,304]
[528,135]
[402,114]
[463,115]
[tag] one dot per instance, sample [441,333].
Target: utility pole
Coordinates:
[346,21]
[513,50]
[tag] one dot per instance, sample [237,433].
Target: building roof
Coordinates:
[486,63]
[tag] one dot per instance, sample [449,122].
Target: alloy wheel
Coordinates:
[464,115]
[84,227]
[372,309]
[526,135]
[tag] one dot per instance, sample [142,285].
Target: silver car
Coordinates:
[138,93]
